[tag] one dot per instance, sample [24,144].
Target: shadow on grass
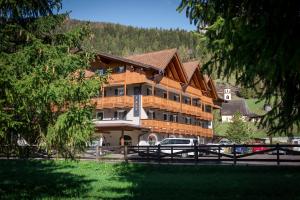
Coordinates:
[33,179]
[206,182]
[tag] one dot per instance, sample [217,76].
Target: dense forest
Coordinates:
[123,40]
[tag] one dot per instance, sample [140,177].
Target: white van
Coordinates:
[296,141]
[180,142]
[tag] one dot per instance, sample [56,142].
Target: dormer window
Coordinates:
[101,71]
[120,69]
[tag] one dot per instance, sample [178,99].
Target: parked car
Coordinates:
[258,148]
[240,150]
[296,142]
[180,142]
[214,147]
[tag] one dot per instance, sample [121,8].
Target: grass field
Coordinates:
[91,180]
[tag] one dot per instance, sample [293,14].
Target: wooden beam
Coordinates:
[174,71]
[184,76]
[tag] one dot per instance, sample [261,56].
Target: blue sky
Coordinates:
[138,13]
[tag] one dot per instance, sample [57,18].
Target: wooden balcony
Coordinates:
[174,106]
[127,77]
[175,128]
[114,102]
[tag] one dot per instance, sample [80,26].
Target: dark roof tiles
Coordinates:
[233,106]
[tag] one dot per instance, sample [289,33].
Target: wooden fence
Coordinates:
[233,154]
[215,153]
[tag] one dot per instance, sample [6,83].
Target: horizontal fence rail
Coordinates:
[216,153]
[232,154]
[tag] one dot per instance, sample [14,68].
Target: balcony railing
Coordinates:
[175,128]
[114,102]
[128,77]
[174,106]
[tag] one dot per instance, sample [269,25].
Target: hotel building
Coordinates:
[152,96]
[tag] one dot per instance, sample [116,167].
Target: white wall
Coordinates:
[228,118]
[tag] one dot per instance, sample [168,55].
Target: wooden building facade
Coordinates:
[152,96]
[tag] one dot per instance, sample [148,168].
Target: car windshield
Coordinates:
[165,142]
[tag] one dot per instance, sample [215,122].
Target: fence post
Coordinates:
[219,155]
[277,153]
[234,154]
[97,152]
[125,153]
[158,153]
[196,152]
[8,151]
[148,153]
[172,153]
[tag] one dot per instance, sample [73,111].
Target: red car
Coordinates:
[258,148]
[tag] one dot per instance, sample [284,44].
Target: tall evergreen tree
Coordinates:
[45,96]
[258,41]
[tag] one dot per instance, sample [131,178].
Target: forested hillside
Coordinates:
[124,40]
[127,40]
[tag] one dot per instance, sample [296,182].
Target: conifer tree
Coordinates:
[238,131]
[44,94]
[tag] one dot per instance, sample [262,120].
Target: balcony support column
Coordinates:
[180,98]
[125,82]
[152,90]
[122,137]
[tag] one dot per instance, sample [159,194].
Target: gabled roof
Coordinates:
[190,68]
[125,60]
[157,59]
[233,106]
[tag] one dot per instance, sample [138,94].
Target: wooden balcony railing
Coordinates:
[174,106]
[176,128]
[128,77]
[114,102]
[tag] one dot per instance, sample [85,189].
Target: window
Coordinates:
[208,108]
[119,91]
[99,115]
[196,102]
[171,118]
[187,120]
[181,141]
[101,71]
[205,123]
[176,97]
[120,115]
[187,100]
[175,118]
[166,141]
[149,91]
[165,117]
[165,95]
[119,69]
[151,114]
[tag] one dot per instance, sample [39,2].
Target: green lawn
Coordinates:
[92,180]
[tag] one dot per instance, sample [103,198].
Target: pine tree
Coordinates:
[238,130]
[45,96]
